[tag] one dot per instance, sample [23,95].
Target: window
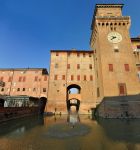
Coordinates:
[57,54]
[116,50]
[68,66]
[2,89]
[98,92]
[72,77]
[126,66]
[10,79]
[138,68]
[24,79]
[138,46]
[56,65]
[63,77]
[89,55]
[1,79]
[122,89]
[18,89]
[84,54]
[85,78]
[23,89]
[20,79]
[45,78]
[78,77]
[34,89]
[44,89]
[78,54]
[36,78]
[68,54]
[90,66]
[91,78]
[55,77]
[110,67]
[78,66]
[139,75]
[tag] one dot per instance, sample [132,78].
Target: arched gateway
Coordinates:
[73,97]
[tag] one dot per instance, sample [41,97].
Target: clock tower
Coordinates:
[116,73]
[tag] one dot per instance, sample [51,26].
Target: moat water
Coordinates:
[69,133]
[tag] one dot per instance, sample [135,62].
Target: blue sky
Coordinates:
[29,29]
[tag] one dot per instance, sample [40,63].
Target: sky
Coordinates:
[29,29]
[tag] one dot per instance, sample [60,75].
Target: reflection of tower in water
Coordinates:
[73,118]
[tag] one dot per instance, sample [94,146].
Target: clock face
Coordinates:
[114,37]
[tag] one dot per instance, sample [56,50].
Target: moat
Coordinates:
[70,133]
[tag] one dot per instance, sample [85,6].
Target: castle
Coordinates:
[109,73]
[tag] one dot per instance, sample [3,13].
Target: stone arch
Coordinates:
[74,86]
[42,104]
[73,99]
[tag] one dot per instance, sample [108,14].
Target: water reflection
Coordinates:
[121,130]
[73,118]
[19,126]
[57,133]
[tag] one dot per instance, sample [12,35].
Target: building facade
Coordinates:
[24,81]
[80,80]
[115,65]
[136,51]
[72,81]
[115,58]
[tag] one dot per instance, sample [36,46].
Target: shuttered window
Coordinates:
[78,66]
[63,77]
[126,66]
[78,77]
[91,78]
[90,66]
[68,66]
[10,79]
[36,78]
[24,79]
[110,67]
[55,77]
[72,77]
[122,89]
[85,78]
[20,79]
[45,78]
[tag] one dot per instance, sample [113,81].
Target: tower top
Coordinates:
[109,5]
[107,10]
[97,6]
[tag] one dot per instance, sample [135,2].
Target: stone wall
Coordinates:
[119,107]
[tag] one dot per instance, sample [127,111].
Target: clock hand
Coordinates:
[113,37]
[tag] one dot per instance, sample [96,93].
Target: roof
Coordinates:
[45,71]
[20,69]
[75,51]
[109,5]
